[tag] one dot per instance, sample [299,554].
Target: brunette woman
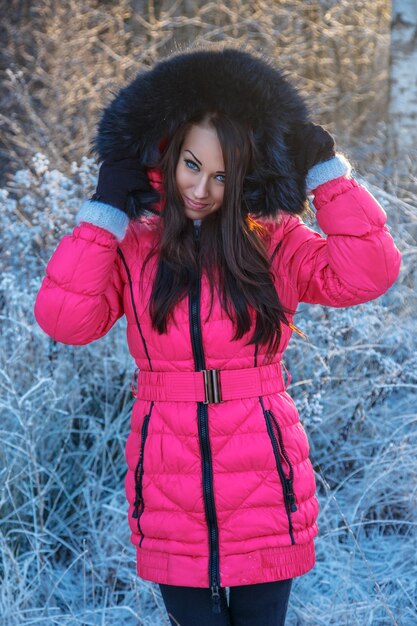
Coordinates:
[195,235]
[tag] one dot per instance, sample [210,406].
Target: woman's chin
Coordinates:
[195,214]
[199,214]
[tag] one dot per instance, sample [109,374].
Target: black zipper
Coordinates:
[290,479]
[279,452]
[202,413]
[145,347]
[139,503]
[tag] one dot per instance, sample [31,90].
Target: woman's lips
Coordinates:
[197,206]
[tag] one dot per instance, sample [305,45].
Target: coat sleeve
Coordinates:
[81,296]
[357,261]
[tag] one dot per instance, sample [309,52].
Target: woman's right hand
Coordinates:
[123,183]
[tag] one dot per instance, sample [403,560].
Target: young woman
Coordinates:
[220,487]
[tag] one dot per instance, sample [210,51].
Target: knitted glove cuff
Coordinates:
[105,216]
[327,170]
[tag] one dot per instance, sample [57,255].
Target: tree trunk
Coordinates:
[403,83]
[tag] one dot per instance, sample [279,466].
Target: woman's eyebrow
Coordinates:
[194,157]
[200,163]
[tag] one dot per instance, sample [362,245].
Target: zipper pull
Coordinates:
[136,504]
[293,506]
[291,496]
[215,597]
[197,233]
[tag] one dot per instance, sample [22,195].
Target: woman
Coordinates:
[219,483]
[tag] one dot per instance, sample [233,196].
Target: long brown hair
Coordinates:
[232,249]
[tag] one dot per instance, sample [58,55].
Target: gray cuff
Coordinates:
[327,170]
[104,215]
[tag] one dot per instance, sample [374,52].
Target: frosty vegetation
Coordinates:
[65,555]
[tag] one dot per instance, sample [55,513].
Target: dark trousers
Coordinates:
[263,604]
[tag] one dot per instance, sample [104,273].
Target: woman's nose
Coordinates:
[200,189]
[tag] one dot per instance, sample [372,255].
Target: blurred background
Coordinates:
[65,556]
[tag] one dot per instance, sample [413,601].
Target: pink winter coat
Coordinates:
[219,494]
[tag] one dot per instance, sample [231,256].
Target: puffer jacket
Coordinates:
[219,494]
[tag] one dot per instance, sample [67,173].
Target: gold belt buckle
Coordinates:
[212,389]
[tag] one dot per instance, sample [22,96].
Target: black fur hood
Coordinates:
[231,81]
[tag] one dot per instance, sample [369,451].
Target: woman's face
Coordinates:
[200,172]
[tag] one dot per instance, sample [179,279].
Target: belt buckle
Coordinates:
[212,389]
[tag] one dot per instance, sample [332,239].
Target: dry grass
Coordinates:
[63,60]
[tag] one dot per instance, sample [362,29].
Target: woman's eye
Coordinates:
[191,165]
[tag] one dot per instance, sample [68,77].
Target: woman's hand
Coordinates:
[310,144]
[123,183]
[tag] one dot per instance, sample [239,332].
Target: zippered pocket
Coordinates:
[289,480]
[139,504]
[281,458]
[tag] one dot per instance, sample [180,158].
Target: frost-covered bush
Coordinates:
[64,410]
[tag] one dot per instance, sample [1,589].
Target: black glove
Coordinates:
[123,183]
[310,144]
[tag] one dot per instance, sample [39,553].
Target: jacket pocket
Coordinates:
[281,459]
[139,504]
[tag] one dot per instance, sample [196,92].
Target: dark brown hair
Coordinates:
[232,250]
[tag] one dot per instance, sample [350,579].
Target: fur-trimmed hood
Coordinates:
[229,81]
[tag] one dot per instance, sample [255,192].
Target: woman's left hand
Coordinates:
[310,144]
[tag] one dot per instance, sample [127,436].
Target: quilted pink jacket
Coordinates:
[219,494]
